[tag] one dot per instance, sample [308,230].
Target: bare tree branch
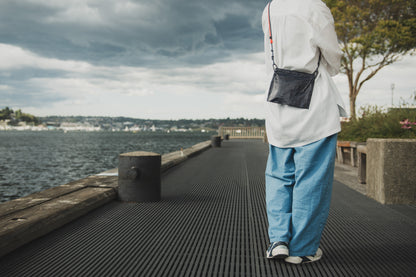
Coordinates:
[370,76]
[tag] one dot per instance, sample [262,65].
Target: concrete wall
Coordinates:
[391,170]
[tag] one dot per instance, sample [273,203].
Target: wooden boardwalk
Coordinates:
[212,222]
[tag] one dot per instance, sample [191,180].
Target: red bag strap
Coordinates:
[270,36]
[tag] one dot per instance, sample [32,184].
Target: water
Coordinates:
[34,161]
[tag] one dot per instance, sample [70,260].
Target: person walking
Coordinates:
[302,141]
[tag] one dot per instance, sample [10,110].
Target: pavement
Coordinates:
[212,221]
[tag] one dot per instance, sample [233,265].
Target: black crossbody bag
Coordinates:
[290,87]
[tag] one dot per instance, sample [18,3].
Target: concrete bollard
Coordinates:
[391,170]
[139,177]
[216,141]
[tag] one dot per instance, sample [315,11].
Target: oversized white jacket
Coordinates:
[299,28]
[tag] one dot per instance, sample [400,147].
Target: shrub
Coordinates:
[374,123]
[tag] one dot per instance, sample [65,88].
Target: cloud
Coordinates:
[133,33]
[13,58]
[4,87]
[155,59]
[37,82]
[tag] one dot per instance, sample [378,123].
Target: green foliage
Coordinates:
[17,116]
[372,27]
[28,118]
[6,113]
[374,33]
[374,123]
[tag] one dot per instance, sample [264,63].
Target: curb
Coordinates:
[175,158]
[171,159]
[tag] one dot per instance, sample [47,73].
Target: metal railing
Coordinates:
[243,132]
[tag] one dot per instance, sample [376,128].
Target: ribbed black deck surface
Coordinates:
[212,222]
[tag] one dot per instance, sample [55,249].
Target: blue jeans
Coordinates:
[298,193]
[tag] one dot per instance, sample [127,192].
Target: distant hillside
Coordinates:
[15,117]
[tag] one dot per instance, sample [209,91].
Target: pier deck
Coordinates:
[212,222]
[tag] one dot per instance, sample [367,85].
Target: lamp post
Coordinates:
[392,92]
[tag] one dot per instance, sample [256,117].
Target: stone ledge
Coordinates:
[23,226]
[175,158]
[38,198]
[171,159]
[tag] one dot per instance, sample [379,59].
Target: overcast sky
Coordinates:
[159,59]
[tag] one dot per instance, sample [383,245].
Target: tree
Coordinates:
[17,116]
[5,113]
[372,34]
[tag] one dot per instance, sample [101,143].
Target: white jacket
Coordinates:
[299,28]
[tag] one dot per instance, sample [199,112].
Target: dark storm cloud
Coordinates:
[135,33]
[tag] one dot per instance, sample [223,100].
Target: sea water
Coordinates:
[34,161]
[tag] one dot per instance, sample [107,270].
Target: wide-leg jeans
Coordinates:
[298,193]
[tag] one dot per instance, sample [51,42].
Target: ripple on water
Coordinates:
[34,161]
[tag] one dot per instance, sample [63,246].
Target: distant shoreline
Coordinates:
[84,123]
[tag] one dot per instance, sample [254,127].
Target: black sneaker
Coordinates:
[305,259]
[277,250]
